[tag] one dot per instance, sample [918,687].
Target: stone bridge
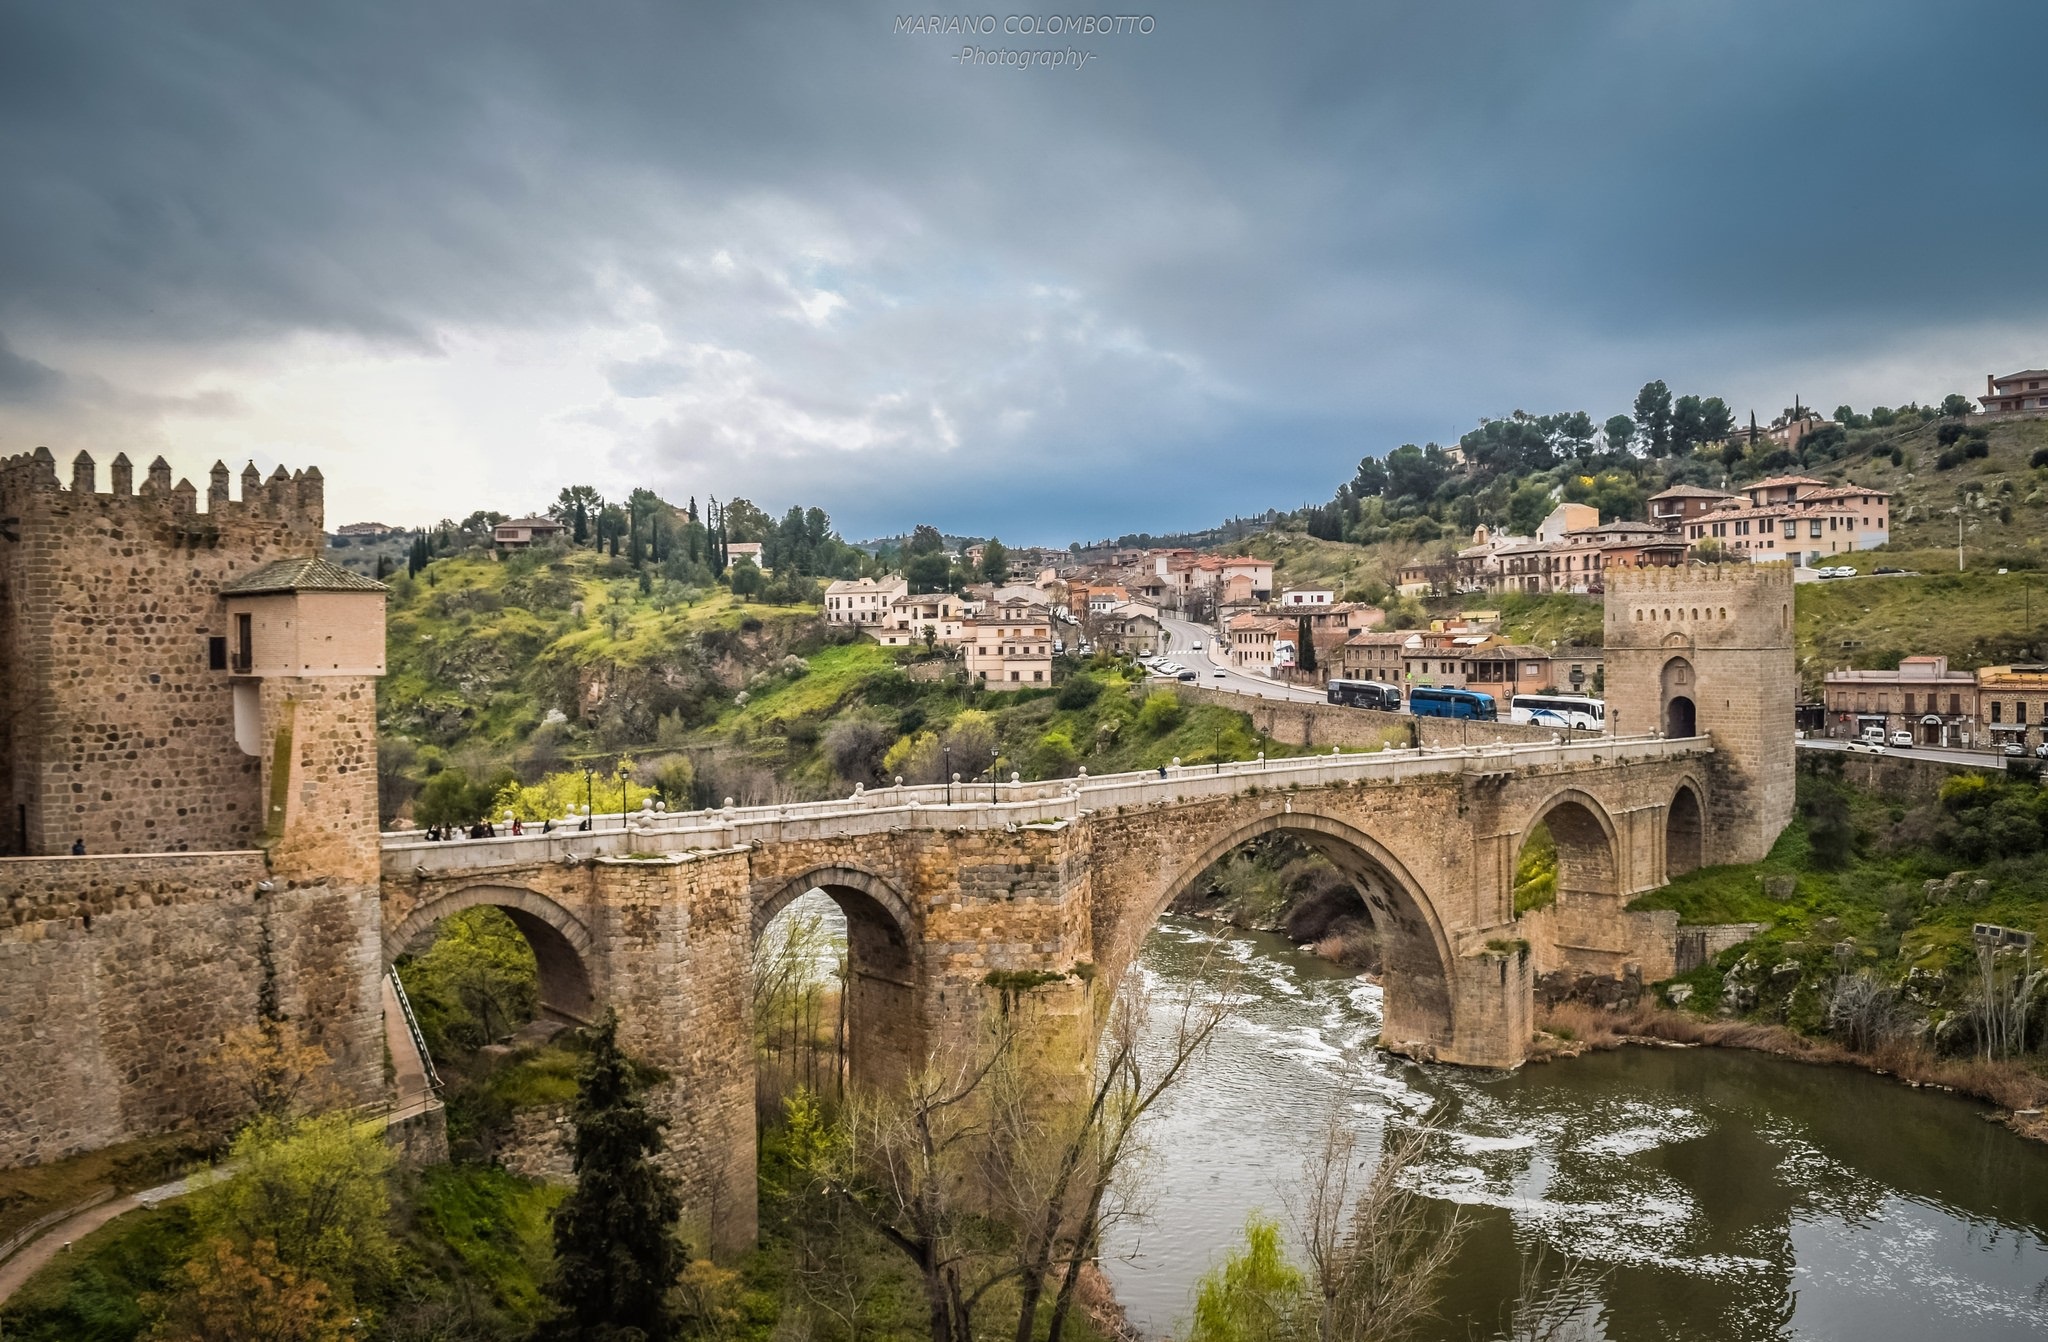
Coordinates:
[657,915]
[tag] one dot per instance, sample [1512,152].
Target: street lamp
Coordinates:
[993,755]
[946,753]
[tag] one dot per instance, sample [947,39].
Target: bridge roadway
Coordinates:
[966,805]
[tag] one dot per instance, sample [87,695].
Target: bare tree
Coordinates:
[1377,1251]
[1058,1166]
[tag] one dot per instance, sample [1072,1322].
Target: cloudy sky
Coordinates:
[461,254]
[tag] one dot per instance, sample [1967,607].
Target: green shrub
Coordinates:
[1161,713]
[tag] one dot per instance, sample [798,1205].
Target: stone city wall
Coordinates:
[120,975]
[1299,723]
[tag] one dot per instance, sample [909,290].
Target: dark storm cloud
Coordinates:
[1201,275]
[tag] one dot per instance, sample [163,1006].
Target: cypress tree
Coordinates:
[616,1251]
[1304,647]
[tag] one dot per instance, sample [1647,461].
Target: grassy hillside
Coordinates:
[530,660]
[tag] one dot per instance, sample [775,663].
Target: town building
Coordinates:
[1922,696]
[2012,703]
[863,601]
[1009,644]
[1130,628]
[937,618]
[1373,656]
[522,532]
[1254,642]
[735,551]
[1505,670]
[1680,504]
[1307,596]
[2024,392]
[1795,518]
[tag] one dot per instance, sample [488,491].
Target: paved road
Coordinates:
[1981,759]
[1212,659]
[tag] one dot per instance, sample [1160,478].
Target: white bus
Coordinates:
[1559,710]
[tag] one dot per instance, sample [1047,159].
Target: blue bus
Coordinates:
[1426,701]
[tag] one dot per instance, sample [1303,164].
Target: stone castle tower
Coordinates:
[134,719]
[1708,651]
[190,696]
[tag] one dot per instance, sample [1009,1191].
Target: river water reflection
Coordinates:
[1725,1195]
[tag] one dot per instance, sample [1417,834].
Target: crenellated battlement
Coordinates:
[1625,582]
[30,486]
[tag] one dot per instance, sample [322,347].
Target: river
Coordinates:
[1714,1194]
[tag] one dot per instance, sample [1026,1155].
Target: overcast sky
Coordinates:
[459,255]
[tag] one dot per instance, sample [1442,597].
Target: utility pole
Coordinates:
[1958,511]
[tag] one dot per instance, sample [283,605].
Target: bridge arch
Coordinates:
[1420,1006]
[1588,844]
[884,1035]
[1685,831]
[560,941]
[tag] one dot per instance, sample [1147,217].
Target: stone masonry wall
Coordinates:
[1308,724]
[119,975]
[117,730]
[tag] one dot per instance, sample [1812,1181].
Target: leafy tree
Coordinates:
[1615,495]
[269,1070]
[1415,473]
[1955,405]
[476,984]
[1688,424]
[1304,646]
[577,508]
[925,540]
[928,571]
[743,521]
[1619,432]
[1575,431]
[1717,421]
[232,1296]
[995,561]
[452,797]
[1371,480]
[1054,756]
[616,1251]
[1527,507]
[317,1191]
[745,578]
[1653,417]
[1254,1294]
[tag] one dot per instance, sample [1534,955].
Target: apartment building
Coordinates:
[863,601]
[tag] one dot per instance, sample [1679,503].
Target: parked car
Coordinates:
[1863,747]
[2015,749]
[2041,751]
[1902,740]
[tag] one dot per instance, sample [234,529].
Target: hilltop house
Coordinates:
[2024,392]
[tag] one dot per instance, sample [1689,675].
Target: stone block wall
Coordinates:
[1325,725]
[114,728]
[120,975]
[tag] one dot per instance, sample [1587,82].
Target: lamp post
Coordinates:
[946,754]
[589,794]
[994,754]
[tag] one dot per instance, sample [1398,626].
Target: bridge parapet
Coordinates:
[1047,803]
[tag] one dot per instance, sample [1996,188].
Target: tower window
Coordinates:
[217,653]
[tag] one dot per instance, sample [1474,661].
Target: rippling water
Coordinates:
[1725,1195]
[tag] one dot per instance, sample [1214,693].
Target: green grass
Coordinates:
[1975,618]
[95,1292]
[834,675]
[483,1225]
[26,1194]
[545,1076]
[1874,902]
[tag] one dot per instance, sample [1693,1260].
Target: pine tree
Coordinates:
[616,1251]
